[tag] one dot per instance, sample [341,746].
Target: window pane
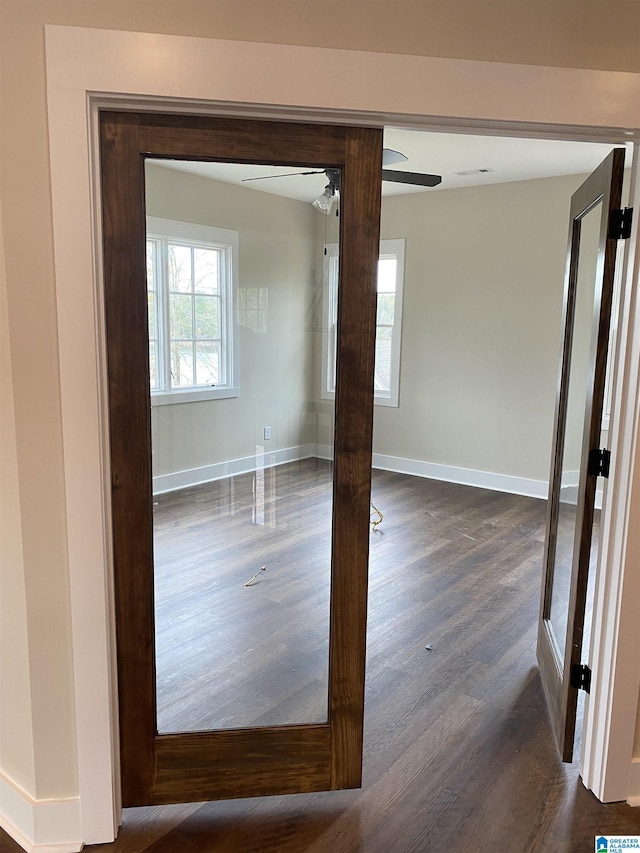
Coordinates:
[387,275]
[389,290]
[207,317]
[382,380]
[180,316]
[333,290]
[205,267]
[386,305]
[151,250]
[151,310]
[181,363]
[208,363]
[153,364]
[180,277]
[333,361]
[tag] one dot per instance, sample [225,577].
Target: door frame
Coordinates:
[215,80]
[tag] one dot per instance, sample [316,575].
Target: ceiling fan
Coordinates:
[325,200]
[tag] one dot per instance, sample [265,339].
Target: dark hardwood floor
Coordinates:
[459,754]
[230,655]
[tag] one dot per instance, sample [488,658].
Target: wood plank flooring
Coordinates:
[459,754]
[229,655]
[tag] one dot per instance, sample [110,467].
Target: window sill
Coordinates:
[386,401]
[392,402]
[166,398]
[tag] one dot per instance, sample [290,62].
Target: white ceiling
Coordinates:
[446,154]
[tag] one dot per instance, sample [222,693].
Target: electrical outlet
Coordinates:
[267,433]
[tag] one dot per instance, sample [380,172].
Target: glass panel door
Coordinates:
[240,499]
[587,297]
[587,314]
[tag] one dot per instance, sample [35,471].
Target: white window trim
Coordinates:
[393,248]
[225,239]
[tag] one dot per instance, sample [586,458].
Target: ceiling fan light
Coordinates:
[325,200]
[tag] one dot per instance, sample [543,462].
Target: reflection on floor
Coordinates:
[459,754]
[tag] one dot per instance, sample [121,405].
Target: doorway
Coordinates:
[74,268]
[470,334]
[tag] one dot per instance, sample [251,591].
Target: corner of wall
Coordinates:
[16,731]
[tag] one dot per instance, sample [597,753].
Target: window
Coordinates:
[388,322]
[190,285]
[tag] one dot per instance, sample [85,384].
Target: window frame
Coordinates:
[164,231]
[389,248]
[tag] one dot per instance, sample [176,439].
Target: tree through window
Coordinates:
[190,291]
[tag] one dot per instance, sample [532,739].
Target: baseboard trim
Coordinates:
[263,458]
[40,826]
[634,783]
[463,476]
[418,468]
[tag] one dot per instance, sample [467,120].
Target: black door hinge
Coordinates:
[620,224]
[580,677]
[599,462]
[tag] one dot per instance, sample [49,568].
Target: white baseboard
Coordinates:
[634,783]
[323,451]
[263,458]
[40,826]
[464,476]
[416,467]
[569,491]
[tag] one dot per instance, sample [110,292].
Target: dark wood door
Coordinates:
[591,256]
[259,760]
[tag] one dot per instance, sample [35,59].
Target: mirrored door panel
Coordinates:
[241,444]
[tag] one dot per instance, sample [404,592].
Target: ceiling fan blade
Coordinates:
[415,178]
[389,157]
[287,175]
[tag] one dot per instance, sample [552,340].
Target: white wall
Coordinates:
[484,274]
[277,253]
[481,330]
[16,731]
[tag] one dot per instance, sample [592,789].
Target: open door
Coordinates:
[596,225]
[217,749]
